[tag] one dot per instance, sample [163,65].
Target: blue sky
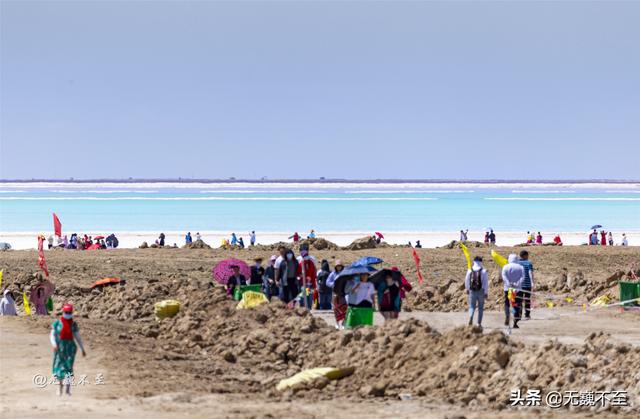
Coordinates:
[306,89]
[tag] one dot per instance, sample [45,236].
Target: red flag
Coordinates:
[416,259]
[57,225]
[41,261]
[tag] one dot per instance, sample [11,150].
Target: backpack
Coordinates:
[476,280]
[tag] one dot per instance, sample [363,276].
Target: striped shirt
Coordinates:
[528,268]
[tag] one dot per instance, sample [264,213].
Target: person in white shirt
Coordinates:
[624,240]
[476,283]
[360,291]
[512,277]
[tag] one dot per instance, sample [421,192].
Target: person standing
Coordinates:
[624,241]
[603,238]
[539,238]
[339,301]
[527,283]
[492,238]
[295,237]
[198,236]
[486,238]
[235,280]
[389,298]
[610,239]
[234,239]
[360,291]
[512,277]
[476,282]
[257,272]
[308,275]
[463,235]
[187,238]
[252,238]
[50,241]
[8,304]
[288,277]
[64,335]
[241,243]
[269,285]
[324,291]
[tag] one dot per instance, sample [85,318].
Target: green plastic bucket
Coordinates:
[238,291]
[359,316]
[629,291]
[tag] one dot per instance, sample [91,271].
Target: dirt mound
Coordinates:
[198,244]
[319,244]
[454,244]
[252,350]
[144,245]
[367,242]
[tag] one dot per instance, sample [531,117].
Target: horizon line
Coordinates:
[309,180]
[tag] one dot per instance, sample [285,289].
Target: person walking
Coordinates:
[64,335]
[476,283]
[512,276]
[527,283]
[324,291]
[339,302]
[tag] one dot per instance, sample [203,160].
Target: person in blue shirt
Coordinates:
[187,238]
[527,283]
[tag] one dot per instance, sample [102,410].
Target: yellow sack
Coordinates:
[166,308]
[25,301]
[603,300]
[569,300]
[1,272]
[310,375]
[251,299]
[550,304]
[499,259]
[466,254]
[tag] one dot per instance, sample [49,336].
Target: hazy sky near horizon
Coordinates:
[108,89]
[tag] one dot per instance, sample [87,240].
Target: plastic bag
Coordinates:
[166,308]
[312,374]
[251,299]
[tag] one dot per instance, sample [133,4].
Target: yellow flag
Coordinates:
[1,272]
[466,254]
[499,259]
[25,301]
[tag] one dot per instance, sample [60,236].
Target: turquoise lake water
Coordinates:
[325,207]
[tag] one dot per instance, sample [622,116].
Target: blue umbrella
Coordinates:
[595,227]
[367,260]
[347,274]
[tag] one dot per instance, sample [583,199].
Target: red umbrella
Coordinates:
[379,235]
[98,238]
[222,271]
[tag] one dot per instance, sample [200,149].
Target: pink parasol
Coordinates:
[222,271]
[379,235]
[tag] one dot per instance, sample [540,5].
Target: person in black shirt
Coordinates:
[257,272]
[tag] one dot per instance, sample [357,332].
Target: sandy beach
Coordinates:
[428,239]
[182,364]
